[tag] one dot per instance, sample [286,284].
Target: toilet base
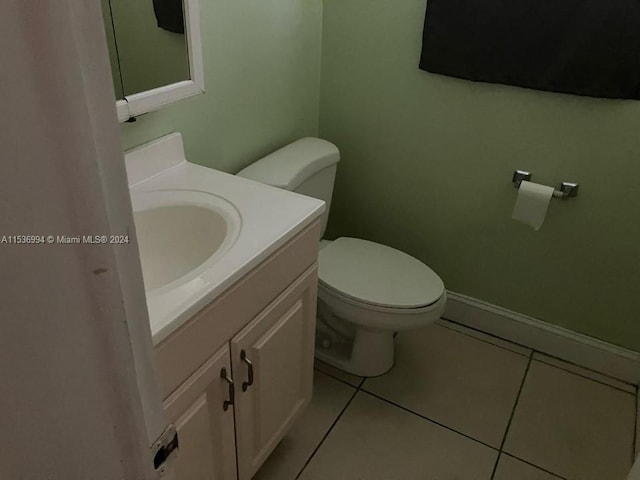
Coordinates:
[371,355]
[359,338]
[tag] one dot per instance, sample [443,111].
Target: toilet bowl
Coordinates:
[366,291]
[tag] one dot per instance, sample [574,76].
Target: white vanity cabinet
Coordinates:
[276,386]
[204,422]
[259,335]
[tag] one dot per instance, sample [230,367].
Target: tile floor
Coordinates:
[461,405]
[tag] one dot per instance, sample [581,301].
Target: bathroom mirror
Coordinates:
[155,52]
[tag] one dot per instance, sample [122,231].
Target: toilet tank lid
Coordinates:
[289,166]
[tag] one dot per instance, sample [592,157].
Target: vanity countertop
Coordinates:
[269,218]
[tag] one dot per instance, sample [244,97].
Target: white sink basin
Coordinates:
[200,231]
[181,232]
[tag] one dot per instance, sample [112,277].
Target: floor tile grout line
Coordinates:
[591,370]
[499,451]
[428,419]
[534,465]
[360,388]
[486,341]
[340,379]
[495,465]
[489,335]
[344,409]
[538,351]
[515,404]
[513,411]
[584,376]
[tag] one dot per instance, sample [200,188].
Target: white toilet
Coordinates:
[367,291]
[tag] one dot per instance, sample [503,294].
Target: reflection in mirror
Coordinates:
[113,55]
[150,47]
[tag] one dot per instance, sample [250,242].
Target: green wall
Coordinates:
[262,74]
[427,164]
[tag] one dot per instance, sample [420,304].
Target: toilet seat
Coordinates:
[377,276]
[386,318]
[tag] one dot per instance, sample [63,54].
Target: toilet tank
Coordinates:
[306,166]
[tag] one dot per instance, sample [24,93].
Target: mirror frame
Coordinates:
[150,100]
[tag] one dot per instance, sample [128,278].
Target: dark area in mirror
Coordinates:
[146,47]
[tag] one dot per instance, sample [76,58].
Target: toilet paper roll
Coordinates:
[532,203]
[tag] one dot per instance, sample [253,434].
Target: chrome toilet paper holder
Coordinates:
[566,190]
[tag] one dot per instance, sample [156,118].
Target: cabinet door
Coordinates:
[205,429]
[279,343]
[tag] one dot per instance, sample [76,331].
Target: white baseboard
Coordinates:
[611,360]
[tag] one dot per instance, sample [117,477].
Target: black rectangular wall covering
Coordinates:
[584,47]
[169,15]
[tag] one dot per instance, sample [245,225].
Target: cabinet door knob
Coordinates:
[232,393]
[249,382]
